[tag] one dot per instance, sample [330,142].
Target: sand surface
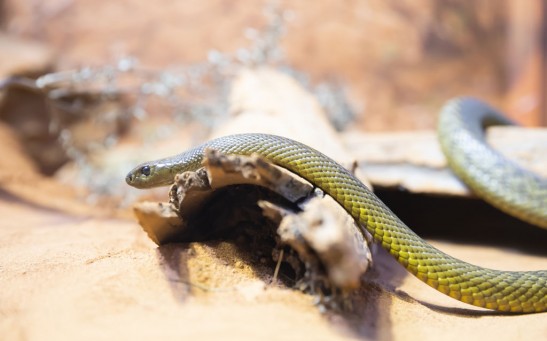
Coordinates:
[67,274]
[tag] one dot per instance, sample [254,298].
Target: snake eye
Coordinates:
[145,170]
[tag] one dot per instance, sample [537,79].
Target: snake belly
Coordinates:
[495,179]
[524,291]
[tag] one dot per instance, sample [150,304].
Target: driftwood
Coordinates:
[329,244]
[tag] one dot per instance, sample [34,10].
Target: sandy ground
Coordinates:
[67,276]
[71,271]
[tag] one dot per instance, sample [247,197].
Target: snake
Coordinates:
[499,181]
[464,119]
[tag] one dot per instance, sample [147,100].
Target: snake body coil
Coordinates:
[495,179]
[492,289]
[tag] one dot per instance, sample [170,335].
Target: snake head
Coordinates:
[142,176]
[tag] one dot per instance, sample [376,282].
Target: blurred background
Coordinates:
[79,76]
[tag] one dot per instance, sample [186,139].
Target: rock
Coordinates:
[414,160]
[21,57]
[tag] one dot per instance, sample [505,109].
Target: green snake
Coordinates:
[509,291]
